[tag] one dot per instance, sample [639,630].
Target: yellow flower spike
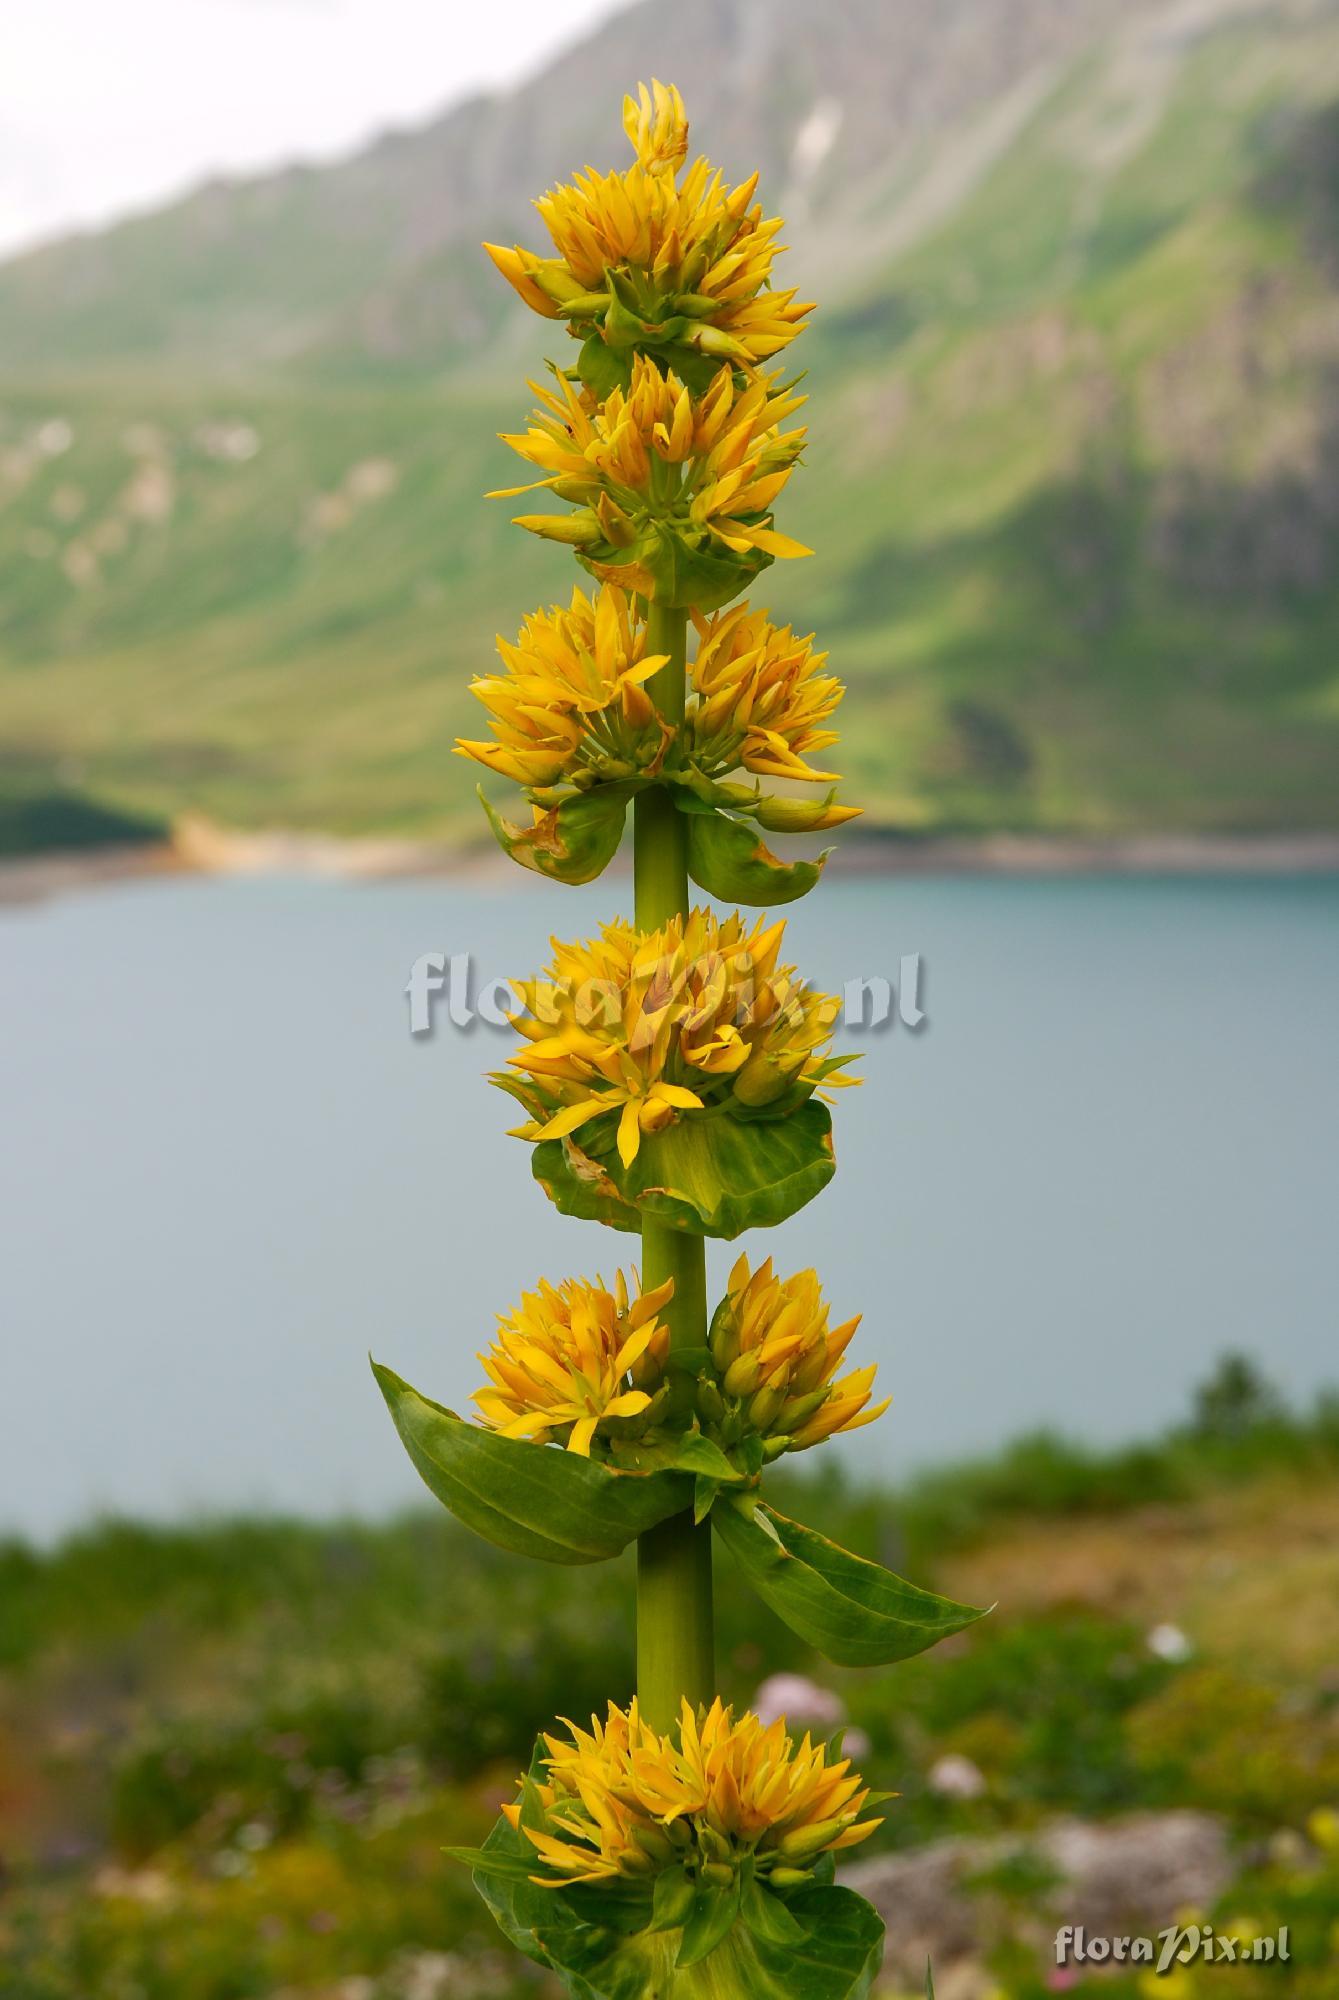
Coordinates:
[641,1028]
[771,1344]
[570,705]
[665,1069]
[621,1800]
[574,1360]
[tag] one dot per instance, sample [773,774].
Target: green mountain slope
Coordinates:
[1072,476]
[372,265]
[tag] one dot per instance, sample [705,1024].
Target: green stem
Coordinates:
[675,1651]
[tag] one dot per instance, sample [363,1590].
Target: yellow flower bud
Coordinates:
[762,1080]
[742,1376]
[579,529]
[764,1407]
[802,816]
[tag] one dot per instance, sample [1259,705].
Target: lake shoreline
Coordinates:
[200,849]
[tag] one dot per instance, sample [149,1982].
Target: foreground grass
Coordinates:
[230,1755]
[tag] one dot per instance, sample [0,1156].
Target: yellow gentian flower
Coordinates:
[641,1026]
[644,257]
[653,458]
[574,1359]
[760,698]
[776,1359]
[572,704]
[620,1800]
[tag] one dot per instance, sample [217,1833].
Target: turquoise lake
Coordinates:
[1110,1152]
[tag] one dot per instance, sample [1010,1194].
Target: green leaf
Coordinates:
[731,862]
[768,1917]
[500,1867]
[530,1498]
[606,1944]
[749,1451]
[601,368]
[672,1904]
[622,326]
[842,1949]
[695,1453]
[855,1612]
[710,1921]
[696,576]
[929,1981]
[690,1451]
[696,371]
[572,842]
[683,573]
[835,1957]
[710,1174]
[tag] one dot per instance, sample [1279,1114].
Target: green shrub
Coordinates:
[489,1700]
[1239,1746]
[1039,1705]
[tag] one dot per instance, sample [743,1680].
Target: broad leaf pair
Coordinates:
[538,1500]
[574,840]
[711,1173]
[675,1941]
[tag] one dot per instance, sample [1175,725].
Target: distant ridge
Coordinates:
[1074,447]
[372,261]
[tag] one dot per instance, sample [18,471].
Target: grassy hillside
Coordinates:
[1071,483]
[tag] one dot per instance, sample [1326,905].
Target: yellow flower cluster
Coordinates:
[640,1026]
[761,697]
[622,1800]
[574,1359]
[572,706]
[572,701]
[776,1359]
[643,255]
[653,457]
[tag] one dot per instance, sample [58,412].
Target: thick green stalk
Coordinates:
[675,1651]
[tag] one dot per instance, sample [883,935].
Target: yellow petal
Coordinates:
[772,543]
[582,1433]
[629,1133]
[571,1116]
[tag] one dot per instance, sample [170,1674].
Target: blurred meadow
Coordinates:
[1072,487]
[230,1754]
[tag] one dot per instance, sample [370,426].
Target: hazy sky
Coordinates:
[109,105]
